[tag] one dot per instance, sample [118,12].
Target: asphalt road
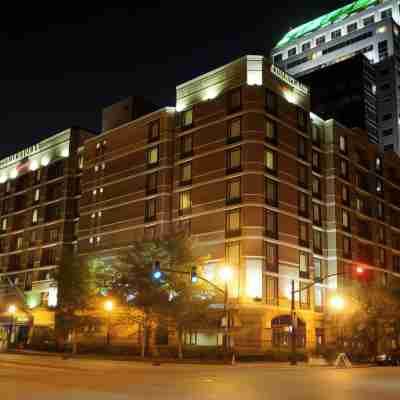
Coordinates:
[49,378]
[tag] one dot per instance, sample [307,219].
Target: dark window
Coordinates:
[346,247]
[303,175]
[271,101]
[234,160]
[186,174]
[317,241]
[316,135]
[387,117]
[278,58]
[187,118]
[316,187]
[55,170]
[292,52]
[343,168]
[234,130]
[186,146]
[271,257]
[302,119]
[387,132]
[154,131]
[151,210]
[352,27]
[316,161]
[232,223]
[233,191]
[272,290]
[271,224]
[303,204]
[386,13]
[151,183]
[53,212]
[303,234]
[302,147]
[369,20]
[317,214]
[380,210]
[235,100]
[271,192]
[306,46]
[396,264]
[320,40]
[336,34]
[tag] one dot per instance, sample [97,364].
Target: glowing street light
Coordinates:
[12,309]
[108,306]
[337,303]
[226,273]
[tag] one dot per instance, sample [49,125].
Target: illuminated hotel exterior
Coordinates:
[39,200]
[368,27]
[259,181]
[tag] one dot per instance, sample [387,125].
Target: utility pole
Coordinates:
[293,360]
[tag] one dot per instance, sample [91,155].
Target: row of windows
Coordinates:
[335,34]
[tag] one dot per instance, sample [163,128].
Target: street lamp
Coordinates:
[108,306]
[338,303]
[12,309]
[226,275]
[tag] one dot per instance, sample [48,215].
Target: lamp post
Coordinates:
[226,275]
[108,306]
[12,309]
[338,304]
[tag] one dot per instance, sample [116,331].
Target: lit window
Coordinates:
[36,195]
[235,129]
[185,200]
[270,130]
[101,190]
[317,268]
[270,160]
[4,224]
[317,241]
[94,193]
[345,194]
[233,222]
[343,144]
[35,216]
[272,290]
[378,163]
[20,243]
[96,168]
[103,166]
[379,186]
[303,263]
[345,218]
[152,156]
[303,204]
[232,253]
[8,187]
[316,161]
[98,239]
[234,158]
[186,173]
[380,210]
[93,215]
[187,118]
[233,191]
[91,240]
[344,168]
[80,162]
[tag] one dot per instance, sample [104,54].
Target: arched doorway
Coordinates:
[281,331]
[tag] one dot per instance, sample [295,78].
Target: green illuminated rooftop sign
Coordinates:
[325,20]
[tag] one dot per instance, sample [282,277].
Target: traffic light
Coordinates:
[157,274]
[193,275]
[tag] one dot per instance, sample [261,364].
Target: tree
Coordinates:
[375,320]
[78,289]
[173,297]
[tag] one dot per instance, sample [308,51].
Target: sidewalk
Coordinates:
[157,361]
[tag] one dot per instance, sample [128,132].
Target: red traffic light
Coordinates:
[360,270]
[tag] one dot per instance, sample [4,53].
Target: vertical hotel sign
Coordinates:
[20,155]
[294,83]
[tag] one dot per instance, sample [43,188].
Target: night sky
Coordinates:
[60,65]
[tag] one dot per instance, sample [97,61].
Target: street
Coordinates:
[33,377]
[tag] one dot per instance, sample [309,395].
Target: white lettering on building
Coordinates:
[20,155]
[289,80]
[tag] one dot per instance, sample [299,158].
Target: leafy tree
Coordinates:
[172,298]
[78,289]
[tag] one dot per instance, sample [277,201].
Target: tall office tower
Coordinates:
[368,27]
[39,212]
